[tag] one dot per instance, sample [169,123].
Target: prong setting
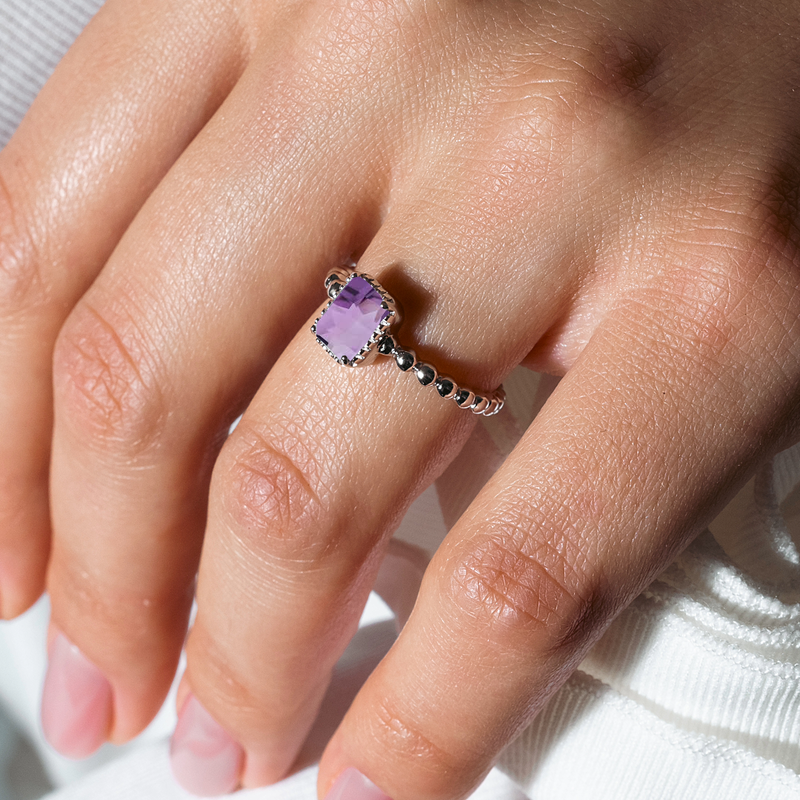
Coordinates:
[335,281]
[379,303]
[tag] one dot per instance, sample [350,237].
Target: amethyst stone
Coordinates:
[347,324]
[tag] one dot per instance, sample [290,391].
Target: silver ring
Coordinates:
[354,328]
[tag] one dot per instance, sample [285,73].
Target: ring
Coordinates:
[354,328]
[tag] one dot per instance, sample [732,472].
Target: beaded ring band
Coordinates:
[354,328]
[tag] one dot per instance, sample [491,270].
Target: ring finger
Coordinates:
[319,471]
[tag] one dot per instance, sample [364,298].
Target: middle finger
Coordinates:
[141,409]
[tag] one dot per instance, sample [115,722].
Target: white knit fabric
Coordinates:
[34,34]
[693,692]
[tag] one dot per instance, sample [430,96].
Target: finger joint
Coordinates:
[104,377]
[435,767]
[271,493]
[514,584]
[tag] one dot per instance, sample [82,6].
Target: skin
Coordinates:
[606,191]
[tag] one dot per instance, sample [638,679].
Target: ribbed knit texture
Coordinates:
[34,35]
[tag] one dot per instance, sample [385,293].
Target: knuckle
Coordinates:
[21,283]
[621,84]
[514,583]
[212,667]
[236,688]
[774,223]
[270,490]
[557,106]
[137,625]
[105,383]
[626,68]
[507,587]
[716,303]
[435,768]
[751,214]
[702,308]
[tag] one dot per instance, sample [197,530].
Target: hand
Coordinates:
[605,191]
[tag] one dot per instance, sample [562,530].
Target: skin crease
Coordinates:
[601,190]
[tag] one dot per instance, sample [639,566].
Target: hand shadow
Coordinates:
[367,648]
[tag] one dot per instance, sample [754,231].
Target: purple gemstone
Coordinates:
[349,321]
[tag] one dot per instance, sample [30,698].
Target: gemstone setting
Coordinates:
[355,320]
[354,328]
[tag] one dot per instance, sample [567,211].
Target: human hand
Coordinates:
[603,191]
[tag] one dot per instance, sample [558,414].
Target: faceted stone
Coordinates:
[348,323]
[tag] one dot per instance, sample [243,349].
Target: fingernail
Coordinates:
[352,785]
[76,702]
[206,761]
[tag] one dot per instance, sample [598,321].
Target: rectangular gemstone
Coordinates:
[348,323]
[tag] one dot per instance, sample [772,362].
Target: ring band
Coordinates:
[354,328]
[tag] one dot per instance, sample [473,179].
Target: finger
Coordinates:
[624,464]
[166,348]
[119,109]
[324,462]
[198,734]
